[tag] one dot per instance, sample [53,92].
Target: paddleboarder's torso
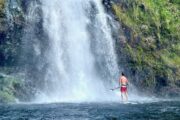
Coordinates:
[123,80]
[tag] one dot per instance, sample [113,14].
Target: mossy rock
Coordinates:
[6,97]
[155,25]
[2,5]
[8,87]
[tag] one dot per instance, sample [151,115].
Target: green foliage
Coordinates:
[8,88]
[6,97]
[2,14]
[161,17]
[157,23]
[2,5]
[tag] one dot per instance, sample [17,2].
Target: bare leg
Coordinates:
[126,95]
[121,96]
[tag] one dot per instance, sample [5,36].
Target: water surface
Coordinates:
[163,110]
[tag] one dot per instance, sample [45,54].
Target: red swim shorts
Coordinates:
[123,89]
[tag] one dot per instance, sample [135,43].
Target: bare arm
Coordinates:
[119,81]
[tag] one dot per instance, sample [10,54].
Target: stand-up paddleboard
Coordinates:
[129,102]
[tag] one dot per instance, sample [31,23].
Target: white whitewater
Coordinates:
[77,55]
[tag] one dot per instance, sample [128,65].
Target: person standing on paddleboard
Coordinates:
[123,82]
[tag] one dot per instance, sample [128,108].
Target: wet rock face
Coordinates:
[107,3]
[143,47]
[11,28]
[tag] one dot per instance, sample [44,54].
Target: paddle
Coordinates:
[115,88]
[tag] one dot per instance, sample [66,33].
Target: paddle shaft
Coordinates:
[115,88]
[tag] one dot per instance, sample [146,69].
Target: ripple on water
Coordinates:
[92,111]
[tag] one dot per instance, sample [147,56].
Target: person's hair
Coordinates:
[122,74]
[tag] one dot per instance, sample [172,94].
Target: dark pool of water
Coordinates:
[166,110]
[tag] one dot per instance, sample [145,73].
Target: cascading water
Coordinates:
[79,60]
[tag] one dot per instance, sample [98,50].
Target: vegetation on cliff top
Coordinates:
[155,40]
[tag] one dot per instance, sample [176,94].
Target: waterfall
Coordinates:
[80,57]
